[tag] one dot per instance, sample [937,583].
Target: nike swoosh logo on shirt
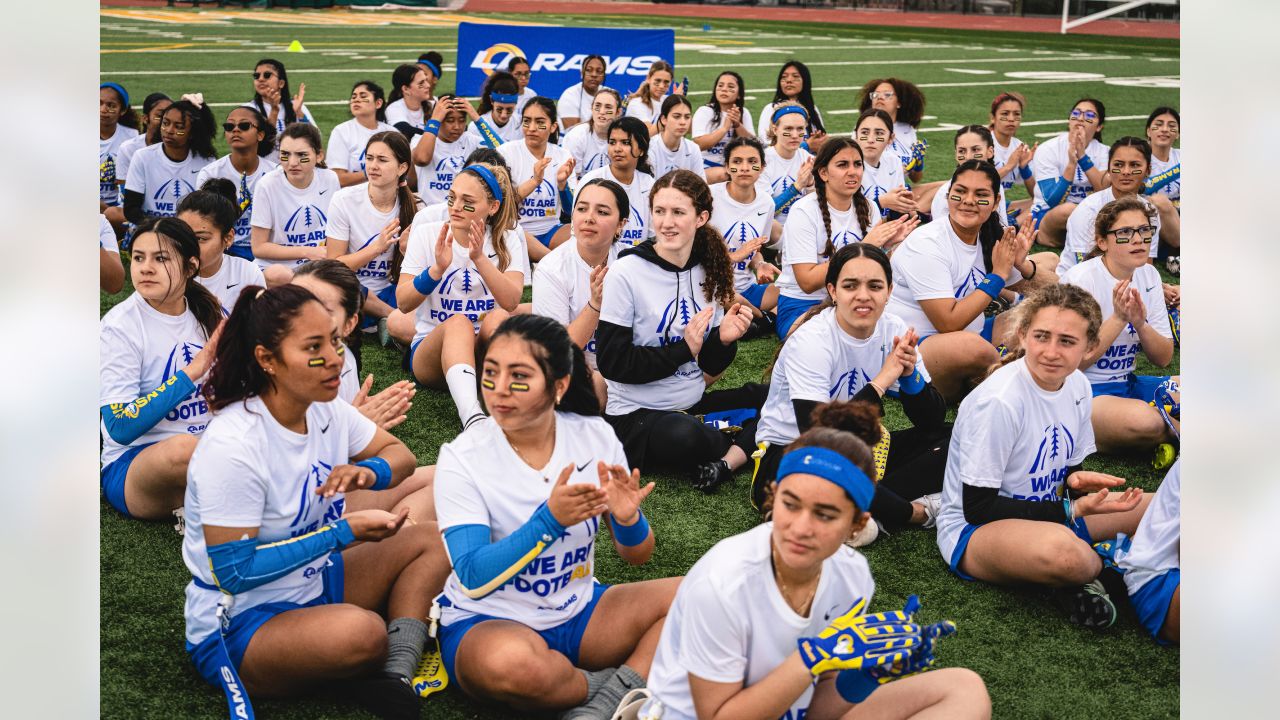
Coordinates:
[196,171]
[762,213]
[325,429]
[322,192]
[1153,287]
[583,466]
[232,285]
[1079,401]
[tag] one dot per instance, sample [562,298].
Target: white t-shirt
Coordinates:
[109,164]
[1051,160]
[107,235]
[510,131]
[663,160]
[933,263]
[1157,546]
[234,276]
[525,96]
[941,210]
[250,471]
[1081,240]
[296,218]
[904,136]
[128,149]
[637,108]
[481,481]
[574,102]
[590,151]
[398,112]
[347,144]
[349,379]
[766,119]
[562,287]
[541,210]
[1116,363]
[730,624]
[877,181]
[823,363]
[1013,177]
[781,174]
[245,187]
[704,123]
[433,213]
[461,289]
[657,304]
[280,120]
[741,223]
[354,220]
[140,348]
[805,237]
[1159,167]
[1016,437]
[448,159]
[163,182]
[637,228]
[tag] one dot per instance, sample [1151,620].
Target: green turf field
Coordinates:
[1035,664]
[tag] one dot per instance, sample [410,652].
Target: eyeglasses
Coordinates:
[1088,116]
[242,126]
[1125,235]
[264,75]
[881,96]
[521,74]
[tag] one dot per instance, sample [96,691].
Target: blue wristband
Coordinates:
[1085,162]
[1025,172]
[630,535]
[912,384]
[424,283]
[855,685]
[992,284]
[432,126]
[381,472]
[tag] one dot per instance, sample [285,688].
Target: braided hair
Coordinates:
[861,206]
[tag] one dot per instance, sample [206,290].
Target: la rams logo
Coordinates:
[308,499]
[305,218]
[497,56]
[971,282]
[463,282]
[179,357]
[176,189]
[849,384]
[1056,443]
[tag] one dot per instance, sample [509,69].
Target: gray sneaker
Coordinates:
[865,536]
[932,505]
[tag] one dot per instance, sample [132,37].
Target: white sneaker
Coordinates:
[629,708]
[932,506]
[181,525]
[865,536]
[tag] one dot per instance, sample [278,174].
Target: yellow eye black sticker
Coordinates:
[315,362]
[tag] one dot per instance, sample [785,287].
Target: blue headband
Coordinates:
[829,465]
[503,98]
[124,94]
[433,67]
[488,178]
[789,110]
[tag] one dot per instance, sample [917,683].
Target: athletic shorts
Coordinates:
[755,294]
[565,638]
[790,310]
[241,251]
[1152,601]
[1137,387]
[962,544]
[207,656]
[386,295]
[545,238]
[113,476]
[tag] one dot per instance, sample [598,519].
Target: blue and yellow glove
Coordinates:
[855,641]
[855,685]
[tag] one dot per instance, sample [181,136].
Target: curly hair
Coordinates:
[708,243]
[910,99]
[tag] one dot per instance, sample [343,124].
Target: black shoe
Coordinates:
[762,326]
[708,476]
[1087,605]
[386,695]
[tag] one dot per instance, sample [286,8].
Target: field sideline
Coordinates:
[1036,665]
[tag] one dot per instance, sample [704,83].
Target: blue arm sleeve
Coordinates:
[128,422]
[243,565]
[1154,184]
[488,135]
[855,685]
[1054,190]
[786,199]
[483,566]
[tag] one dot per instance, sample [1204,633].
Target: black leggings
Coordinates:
[679,441]
[915,467]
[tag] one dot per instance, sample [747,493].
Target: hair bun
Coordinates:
[858,417]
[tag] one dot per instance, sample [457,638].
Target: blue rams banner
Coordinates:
[555,54]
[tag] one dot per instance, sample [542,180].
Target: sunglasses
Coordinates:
[1125,235]
[242,126]
[1088,116]
[265,75]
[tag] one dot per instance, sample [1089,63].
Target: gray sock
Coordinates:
[602,705]
[406,637]
[596,680]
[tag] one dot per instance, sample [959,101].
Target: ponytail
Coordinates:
[260,317]
[506,217]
